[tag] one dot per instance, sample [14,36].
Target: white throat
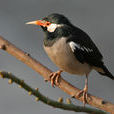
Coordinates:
[52,27]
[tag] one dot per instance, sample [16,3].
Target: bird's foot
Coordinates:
[54,77]
[84,94]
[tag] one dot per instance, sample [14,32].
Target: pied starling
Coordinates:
[71,49]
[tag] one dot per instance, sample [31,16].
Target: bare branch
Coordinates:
[46,100]
[44,71]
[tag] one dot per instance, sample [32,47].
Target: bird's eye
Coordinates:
[48,23]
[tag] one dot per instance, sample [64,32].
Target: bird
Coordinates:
[71,49]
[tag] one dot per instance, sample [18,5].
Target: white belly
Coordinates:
[60,53]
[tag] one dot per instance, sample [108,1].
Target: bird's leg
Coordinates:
[54,76]
[84,91]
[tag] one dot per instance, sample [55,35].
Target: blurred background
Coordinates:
[94,17]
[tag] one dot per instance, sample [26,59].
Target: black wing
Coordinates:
[84,49]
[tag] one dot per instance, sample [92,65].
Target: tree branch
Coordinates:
[46,100]
[44,71]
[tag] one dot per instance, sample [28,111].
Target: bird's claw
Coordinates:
[54,77]
[84,94]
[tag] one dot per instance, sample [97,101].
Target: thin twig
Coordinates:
[46,100]
[44,71]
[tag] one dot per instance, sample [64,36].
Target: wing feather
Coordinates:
[84,49]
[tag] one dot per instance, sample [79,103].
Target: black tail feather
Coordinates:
[106,72]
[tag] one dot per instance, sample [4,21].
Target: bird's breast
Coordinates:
[60,53]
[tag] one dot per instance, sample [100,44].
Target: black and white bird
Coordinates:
[71,49]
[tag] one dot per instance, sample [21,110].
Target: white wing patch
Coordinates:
[52,27]
[87,49]
[73,46]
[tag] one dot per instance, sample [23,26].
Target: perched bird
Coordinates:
[71,49]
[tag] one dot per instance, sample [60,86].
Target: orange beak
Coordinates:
[40,23]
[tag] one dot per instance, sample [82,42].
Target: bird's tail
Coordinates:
[104,71]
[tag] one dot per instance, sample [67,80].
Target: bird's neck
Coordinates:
[52,37]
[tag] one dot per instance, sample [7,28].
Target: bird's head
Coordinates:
[51,22]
